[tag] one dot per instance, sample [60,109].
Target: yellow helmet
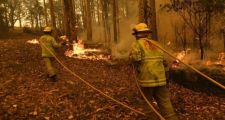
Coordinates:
[47,29]
[141,27]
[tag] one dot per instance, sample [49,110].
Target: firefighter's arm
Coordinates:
[135,52]
[55,44]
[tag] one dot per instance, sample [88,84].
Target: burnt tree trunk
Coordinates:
[88,19]
[115,21]
[45,13]
[142,10]
[153,20]
[201,46]
[20,20]
[32,21]
[53,21]
[105,18]
[69,18]
[147,14]
[65,17]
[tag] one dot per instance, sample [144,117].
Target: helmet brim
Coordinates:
[47,30]
[142,31]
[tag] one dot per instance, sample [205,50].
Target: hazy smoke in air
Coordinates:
[121,49]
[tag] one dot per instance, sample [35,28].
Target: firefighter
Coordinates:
[48,45]
[150,70]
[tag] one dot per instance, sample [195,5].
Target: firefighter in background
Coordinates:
[150,70]
[48,45]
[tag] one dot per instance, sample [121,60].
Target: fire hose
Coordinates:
[90,85]
[191,67]
[199,72]
[146,100]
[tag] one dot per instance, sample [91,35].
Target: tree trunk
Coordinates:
[11,17]
[201,47]
[88,20]
[142,11]
[32,21]
[51,6]
[224,40]
[98,12]
[185,39]
[153,20]
[66,18]
[72,21]
[6,18]
[37,22]
[40,22]
[105,19]
[20,20]
[115,21]
[147,14]
[45,13]
[69,19]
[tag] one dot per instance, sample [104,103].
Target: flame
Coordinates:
[180,57]
[78,48]
[169,43]
[219,62]
[209,62]
[80,52]
[221,58]
[33,41]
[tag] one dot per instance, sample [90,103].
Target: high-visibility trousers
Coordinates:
[50,69]
[162,96]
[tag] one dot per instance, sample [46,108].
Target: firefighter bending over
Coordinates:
[150,70]
[48,44]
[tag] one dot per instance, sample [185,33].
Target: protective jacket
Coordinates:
[48,43]
[150,71]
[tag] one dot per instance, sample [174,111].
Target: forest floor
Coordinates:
[26,93]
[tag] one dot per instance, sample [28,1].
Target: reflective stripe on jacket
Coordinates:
[151,72]
[49,42]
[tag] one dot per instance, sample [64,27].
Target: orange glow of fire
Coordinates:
[181,55]
[220,61]
[34,41]
[169,43]
[80,52]
[78,48]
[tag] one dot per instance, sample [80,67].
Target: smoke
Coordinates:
[121,49]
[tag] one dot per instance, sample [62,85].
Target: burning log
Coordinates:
[192,80]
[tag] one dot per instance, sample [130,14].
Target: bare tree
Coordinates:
[181,35]
[198,16]
[13,5]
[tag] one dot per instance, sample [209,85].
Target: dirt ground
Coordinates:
[26,93]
